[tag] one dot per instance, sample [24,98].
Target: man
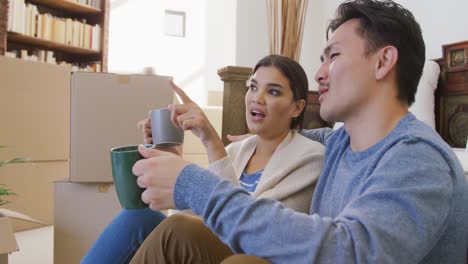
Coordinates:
[391,191]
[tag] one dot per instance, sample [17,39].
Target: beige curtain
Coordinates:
[285,26]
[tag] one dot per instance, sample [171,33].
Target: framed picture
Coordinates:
[174,23]
[457,57]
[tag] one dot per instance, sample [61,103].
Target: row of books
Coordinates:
[92,3]
[24,18]
[48,56]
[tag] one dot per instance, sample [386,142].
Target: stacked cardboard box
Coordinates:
[7,242]
[34,103]
[35,107]
[66,124]
[104,111]
[82,211]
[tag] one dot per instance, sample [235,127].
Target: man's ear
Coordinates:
[387,59]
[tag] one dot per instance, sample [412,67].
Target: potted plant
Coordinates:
[6,230]
[4,191]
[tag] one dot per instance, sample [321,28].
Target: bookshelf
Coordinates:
[56,31]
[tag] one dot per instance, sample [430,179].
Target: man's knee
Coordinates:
[244,259]
[182,239]
[180,225]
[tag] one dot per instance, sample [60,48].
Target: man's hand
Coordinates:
[158,173]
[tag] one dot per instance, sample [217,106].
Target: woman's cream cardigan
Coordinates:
[290,175]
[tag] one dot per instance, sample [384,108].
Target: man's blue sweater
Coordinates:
[403,200]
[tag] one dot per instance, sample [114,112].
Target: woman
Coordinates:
[277,162]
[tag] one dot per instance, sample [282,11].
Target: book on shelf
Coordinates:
[96,38]
[38,26]
[33,20]
[48,56]
[81,33]
[27,23]
[87,36]
[16,15]
[68,31]
[10,16]
[46,29]
[91,3]
[25,18]
[59,30]
[11,54]
[24,54]
[76,33]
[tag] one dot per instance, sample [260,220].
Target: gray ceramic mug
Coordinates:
[163,131]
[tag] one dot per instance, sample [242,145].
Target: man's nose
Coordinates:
[321,74]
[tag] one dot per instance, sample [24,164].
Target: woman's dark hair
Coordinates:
[388,23]
[296,76]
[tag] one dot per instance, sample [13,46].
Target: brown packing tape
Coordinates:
[123,79]
[104,187]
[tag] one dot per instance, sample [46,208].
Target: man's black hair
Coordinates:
[388,23]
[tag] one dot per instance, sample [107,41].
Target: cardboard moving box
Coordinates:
[192,144]
[105,109]
[7,239]
[82,211]
[35,107]
[33,185]
[193,149]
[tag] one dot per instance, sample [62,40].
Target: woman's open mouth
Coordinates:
[257,115]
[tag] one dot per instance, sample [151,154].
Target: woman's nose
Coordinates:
[258,97]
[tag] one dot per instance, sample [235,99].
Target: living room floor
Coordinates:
[36,246]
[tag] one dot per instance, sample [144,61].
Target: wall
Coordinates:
[220,48]
[312,38]
[235,32]
[137,40]
[441,22]
[252,34]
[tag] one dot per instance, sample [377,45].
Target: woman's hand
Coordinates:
[189,116]
[145,127]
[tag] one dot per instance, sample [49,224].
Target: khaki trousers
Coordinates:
[184,239]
